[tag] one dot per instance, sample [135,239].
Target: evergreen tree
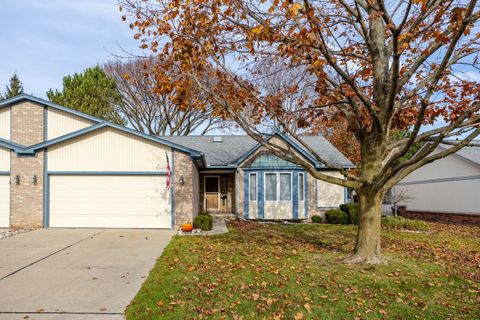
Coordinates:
[14,88]
[91,92]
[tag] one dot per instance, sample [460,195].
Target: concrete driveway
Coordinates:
[75,273]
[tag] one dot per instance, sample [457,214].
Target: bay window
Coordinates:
[253,187]
[301,192]
[270,186]
[278,186]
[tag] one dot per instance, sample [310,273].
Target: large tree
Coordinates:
[14,88]
[154,112]
[91,92]
[385,66]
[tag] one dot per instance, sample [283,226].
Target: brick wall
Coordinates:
[452,218]
[27,123]
[26,208]
[184,194]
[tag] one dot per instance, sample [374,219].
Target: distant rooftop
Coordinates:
[471,153]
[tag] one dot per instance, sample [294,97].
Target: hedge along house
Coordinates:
[63,168]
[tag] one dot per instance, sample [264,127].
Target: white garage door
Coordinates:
[4,201]
[103,201]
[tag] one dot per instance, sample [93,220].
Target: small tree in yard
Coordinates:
[400,195]
[382,66]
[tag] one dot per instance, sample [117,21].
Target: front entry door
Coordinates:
[212,194]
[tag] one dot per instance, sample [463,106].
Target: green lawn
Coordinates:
[278,271]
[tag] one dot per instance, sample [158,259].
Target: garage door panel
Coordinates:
[4,201]
[109,202]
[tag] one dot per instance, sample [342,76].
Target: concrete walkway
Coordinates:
[75,273]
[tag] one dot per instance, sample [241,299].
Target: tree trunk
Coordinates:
[367,248]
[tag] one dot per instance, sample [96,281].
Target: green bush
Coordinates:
[401,223]
[316,219]
[337,216]
[203,221]
[352,210]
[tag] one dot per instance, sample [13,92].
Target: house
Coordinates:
[447,186]
[62,168]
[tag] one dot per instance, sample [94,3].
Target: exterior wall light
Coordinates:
[17,179]
[182,181]
[34,180]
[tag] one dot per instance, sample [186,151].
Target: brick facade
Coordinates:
[26,196]
[186,194]
[450,218]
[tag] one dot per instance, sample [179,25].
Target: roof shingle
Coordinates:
[233,148]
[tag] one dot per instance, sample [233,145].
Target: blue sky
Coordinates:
[44,40]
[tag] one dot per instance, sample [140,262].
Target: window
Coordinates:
[271,186]
[278,186]
[253,187]
[285,187]
[301,193]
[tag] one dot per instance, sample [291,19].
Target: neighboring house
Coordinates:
[62,168]
[449,185]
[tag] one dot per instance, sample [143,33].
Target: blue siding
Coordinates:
[295,195]
[245,195]
[305,190]
[46,191]
[261,195]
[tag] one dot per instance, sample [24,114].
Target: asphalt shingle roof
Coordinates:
[232,148]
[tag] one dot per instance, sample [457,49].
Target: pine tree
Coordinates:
[14,88]
[91,92]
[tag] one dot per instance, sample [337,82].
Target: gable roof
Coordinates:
[470,153]
[230,152]
[234,149]
[10,101]
[99,123]
[10,144]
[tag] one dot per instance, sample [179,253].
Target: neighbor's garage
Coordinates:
[108,179]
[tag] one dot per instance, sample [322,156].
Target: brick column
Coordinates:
[185,194]
[26,196]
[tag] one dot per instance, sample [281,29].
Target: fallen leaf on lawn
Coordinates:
[299,316]
[308,308]
[160,303]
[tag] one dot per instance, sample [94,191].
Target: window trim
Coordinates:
[250,186]
[277,173]
[301,179]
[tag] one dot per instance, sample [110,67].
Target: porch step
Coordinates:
[227,215]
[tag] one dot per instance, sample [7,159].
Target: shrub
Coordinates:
[203,221]
[401,223]
[316,219]
[337,216]
[352,210]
